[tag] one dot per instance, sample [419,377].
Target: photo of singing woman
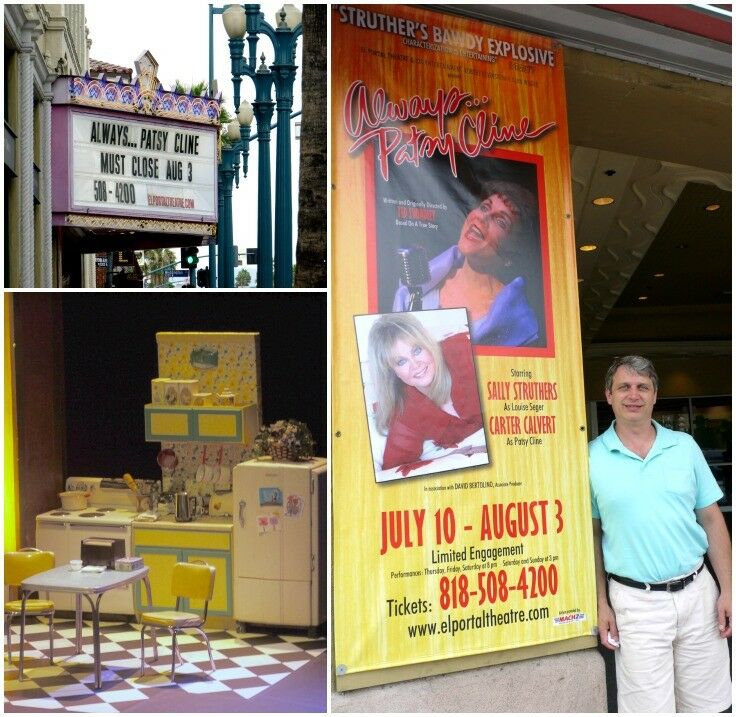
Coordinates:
[476,241]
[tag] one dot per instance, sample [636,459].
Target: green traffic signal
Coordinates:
[189,256]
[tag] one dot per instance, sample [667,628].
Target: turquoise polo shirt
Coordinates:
[646,505]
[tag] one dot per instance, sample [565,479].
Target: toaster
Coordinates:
[102,551]
[221,504]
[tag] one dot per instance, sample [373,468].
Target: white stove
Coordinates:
[90,516]
[111,502]
[112,508]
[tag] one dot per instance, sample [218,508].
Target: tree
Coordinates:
[311,244]
[157,259]
[242,278]
[199,89]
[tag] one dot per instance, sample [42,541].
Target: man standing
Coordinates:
[654,518]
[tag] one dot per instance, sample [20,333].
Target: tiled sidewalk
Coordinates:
[253,672]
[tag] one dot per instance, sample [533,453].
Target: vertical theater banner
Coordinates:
[461,520]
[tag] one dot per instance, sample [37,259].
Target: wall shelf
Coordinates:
[206,424]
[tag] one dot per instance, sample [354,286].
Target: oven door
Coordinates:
[119,600]
[65,540]
[53,536]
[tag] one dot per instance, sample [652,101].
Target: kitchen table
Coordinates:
[93,586]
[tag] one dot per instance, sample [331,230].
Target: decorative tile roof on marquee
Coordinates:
[144,96]
[99,68]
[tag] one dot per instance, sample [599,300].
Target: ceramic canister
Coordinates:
[187,388]
[171,393]
[158,391]
[226,398]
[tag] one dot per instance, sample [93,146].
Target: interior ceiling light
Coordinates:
[658,276]
[643,298]
[603,201]
[712,207]
[588,247]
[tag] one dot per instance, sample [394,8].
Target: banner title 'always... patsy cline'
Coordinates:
[367,118]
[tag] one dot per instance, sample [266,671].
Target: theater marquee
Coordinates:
[135,156]
[141,167]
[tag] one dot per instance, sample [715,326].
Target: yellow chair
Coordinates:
[196,581]
[20,565]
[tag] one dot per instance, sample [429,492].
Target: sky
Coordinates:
[176,34]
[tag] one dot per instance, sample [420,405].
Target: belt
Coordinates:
[671,586]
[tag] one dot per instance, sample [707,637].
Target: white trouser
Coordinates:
[672,657]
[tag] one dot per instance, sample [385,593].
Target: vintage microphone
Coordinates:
[414,272]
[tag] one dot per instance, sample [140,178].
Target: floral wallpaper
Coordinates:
[218,361]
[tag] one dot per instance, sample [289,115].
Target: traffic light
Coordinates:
[189,257]
[203,277]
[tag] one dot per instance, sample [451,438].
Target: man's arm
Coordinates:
[719,553]
[606,616]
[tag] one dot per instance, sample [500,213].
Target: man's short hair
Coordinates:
[637,364]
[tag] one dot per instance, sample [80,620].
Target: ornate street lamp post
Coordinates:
[284,69]
[238,19]
[238,134]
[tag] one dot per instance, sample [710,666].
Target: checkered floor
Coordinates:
[253,672]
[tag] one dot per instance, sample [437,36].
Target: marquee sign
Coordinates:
[142,167]
[134,156]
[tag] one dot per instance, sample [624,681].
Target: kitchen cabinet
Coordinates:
[280,546]
[162,548]
[207,424]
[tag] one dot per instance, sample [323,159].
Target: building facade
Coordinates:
[41,43]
